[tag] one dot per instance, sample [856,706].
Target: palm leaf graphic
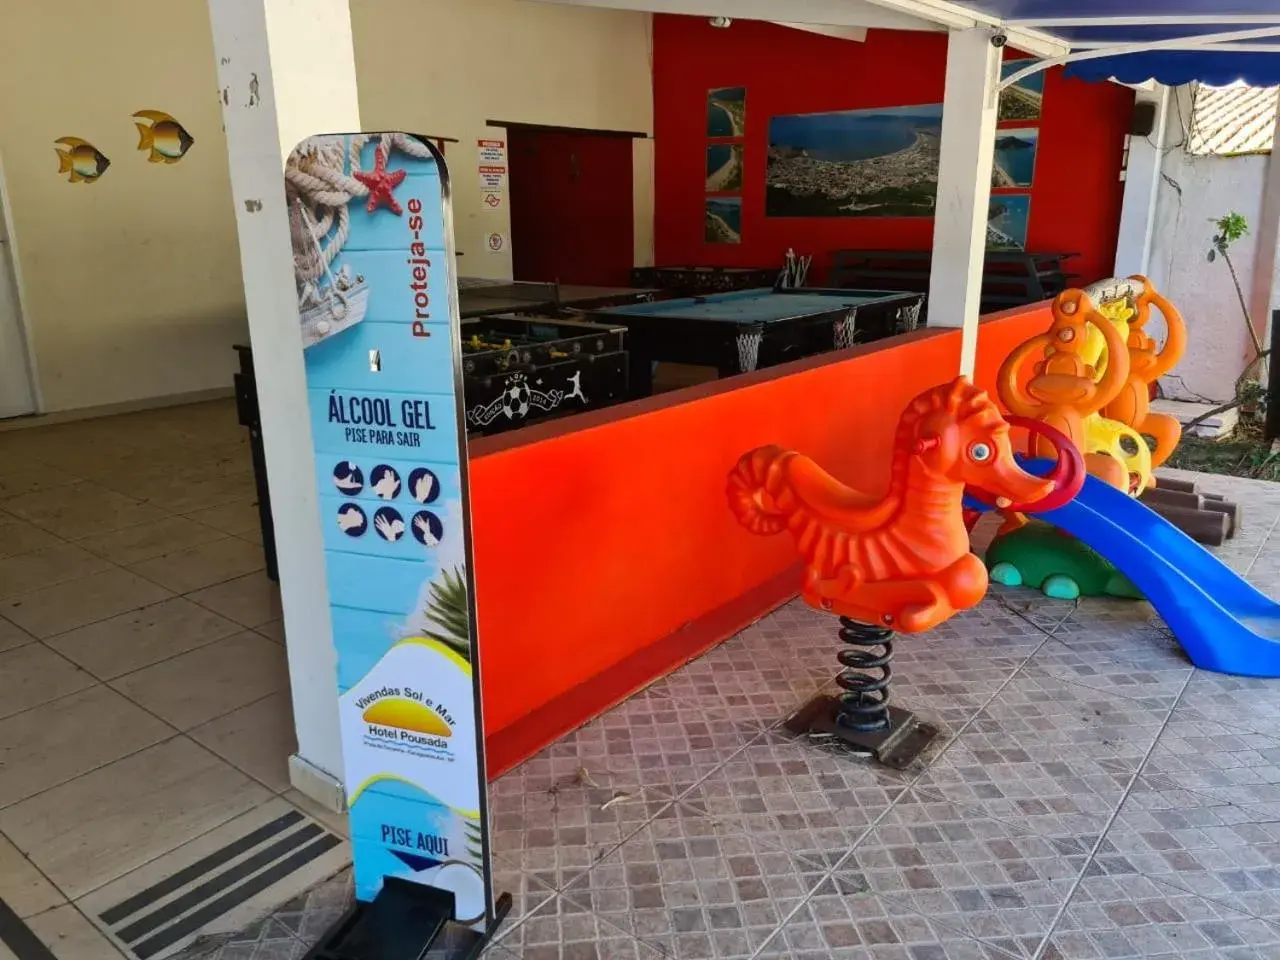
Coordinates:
[475,841]
[448,613]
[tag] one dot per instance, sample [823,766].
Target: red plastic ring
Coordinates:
[1067,476]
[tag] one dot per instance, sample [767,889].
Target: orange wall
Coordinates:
[600,535]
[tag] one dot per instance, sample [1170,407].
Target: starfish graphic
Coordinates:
[381,182]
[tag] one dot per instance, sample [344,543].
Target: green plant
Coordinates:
[1246,453]
[448,611]
[1230,228]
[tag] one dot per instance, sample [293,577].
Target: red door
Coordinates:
[571,214]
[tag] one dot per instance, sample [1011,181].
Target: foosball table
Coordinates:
[521,368]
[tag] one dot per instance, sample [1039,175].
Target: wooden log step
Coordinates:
[1172,483]
[1202,526]
[1233,511]
[1173,498]
[1213,496]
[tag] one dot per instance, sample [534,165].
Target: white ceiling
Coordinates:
[841,17]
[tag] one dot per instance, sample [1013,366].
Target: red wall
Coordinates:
[1075,194]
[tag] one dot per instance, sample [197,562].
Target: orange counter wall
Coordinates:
[605,554]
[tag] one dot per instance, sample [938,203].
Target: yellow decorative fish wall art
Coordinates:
[161,137]
[81,160]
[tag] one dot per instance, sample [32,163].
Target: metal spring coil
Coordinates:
[864,704]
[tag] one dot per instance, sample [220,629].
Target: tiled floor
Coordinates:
[145,717]
[1093,798]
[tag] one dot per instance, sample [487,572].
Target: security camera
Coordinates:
[998,40]
[721,23]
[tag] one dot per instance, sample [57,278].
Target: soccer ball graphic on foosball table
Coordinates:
[515,398]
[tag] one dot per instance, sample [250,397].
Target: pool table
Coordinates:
[738,332]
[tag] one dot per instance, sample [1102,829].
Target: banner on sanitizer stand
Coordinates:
[372,238]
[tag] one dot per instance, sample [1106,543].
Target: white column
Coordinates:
[964,186]
[286,70]
[1266,234]
[1141,187]
[642,204]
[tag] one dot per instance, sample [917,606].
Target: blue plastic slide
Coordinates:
[1222,622]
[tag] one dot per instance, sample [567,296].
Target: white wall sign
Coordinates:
[492,151]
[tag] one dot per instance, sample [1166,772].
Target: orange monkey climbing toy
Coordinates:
[1062,391]
[1148,363]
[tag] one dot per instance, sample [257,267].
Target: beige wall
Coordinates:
[444,67]
[131,285]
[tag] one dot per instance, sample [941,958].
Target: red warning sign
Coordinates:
[492,151]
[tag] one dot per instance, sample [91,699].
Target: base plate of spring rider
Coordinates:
[905,739]
[861,716]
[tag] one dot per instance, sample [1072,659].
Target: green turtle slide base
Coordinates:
[1039,556]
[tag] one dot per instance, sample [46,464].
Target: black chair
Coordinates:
[1010,278]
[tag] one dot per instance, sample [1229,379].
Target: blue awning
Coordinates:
[1175,67]
[1096,24]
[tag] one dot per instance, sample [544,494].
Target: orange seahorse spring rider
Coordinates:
[1147,364]
[902,560]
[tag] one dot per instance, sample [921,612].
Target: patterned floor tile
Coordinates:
[1264,568]
[562,929]
[842,921]
[1134,918]
[997,627]
[809,801]
[294,927]
[1206,846]
[557,826]
[753,685]
[662,745]
[1125,630]
[308,916]
[1245,703]
[799,638]
[302,920]
[1030,605]
[1050,756]
[1069,715]
[974,874]
[528,892]
[1155,683]
[946,686]
[1233,764]
[695,888]
[572,803]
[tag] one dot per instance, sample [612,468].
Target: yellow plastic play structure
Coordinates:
[1103,435]
[1119,440]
